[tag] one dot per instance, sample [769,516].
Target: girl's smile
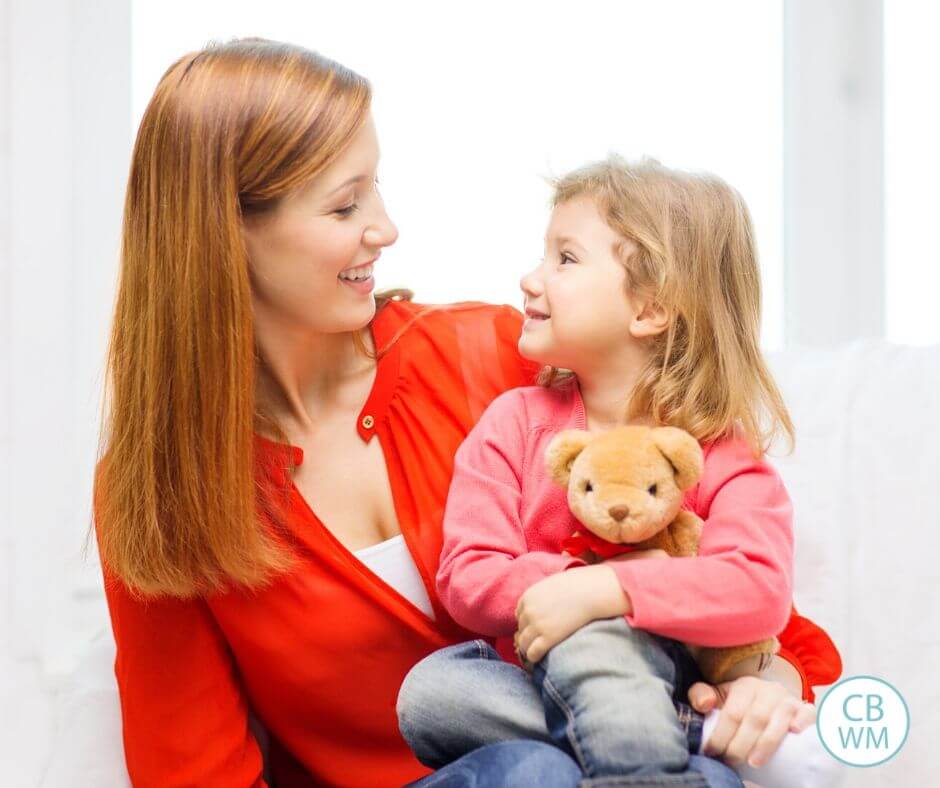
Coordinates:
[576,301]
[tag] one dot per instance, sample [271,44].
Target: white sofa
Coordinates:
[864,480]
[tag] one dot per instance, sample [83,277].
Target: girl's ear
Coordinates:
[652,319]
[563,451]
[682,452]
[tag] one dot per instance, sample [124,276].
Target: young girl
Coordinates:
[645,310]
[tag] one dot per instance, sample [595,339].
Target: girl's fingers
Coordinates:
[537,650]
[772,737]
[524,639]
[730,718]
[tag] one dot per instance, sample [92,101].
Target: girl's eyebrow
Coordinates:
[566,239]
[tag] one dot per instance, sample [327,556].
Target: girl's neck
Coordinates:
[606,394]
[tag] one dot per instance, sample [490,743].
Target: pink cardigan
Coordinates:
[505,520]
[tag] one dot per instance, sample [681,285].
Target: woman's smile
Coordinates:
[359,278]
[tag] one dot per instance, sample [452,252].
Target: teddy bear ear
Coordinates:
[563,451]
[683,453]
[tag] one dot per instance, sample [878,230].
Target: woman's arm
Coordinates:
[758,713]
[184,714]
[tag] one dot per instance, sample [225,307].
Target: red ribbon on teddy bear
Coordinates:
[580,542]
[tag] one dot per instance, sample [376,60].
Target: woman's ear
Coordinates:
[563,451]
[682,452]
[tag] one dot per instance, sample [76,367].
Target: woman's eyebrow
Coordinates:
[346,183]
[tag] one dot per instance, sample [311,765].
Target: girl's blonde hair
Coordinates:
[230,130]
[696,256]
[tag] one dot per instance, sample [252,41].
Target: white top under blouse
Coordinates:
[391,561]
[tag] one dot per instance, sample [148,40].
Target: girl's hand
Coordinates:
[559,605]
[638,554]
[755,716]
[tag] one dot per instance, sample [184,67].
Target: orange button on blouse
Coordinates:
[319,655]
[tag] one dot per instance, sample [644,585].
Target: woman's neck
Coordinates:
[307,375]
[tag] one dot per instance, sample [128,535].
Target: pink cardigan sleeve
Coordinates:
[739,587]
[485,565]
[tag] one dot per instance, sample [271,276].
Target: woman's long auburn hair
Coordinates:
[230,130]
[696,255]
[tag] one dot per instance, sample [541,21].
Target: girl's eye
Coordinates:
[652,490]
[566,256]
[347,210]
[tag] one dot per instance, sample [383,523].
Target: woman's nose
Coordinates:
[382,233]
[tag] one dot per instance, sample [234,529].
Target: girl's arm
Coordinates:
[739,587]
[485,562]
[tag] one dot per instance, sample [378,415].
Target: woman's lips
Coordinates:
[360,285]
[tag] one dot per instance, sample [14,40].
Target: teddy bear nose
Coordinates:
[618,512]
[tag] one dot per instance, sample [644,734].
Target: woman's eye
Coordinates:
[565,256]
[347,210]
[652,490]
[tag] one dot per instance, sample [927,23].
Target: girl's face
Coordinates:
[302,254]
[577,309]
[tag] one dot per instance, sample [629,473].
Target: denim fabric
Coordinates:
[465,697]
[509,764]
[608,693]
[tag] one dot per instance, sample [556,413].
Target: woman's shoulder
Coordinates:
[438,320]
[472,346]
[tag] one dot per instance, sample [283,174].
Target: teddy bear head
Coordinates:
[626,484]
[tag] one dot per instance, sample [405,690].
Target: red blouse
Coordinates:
[319,655]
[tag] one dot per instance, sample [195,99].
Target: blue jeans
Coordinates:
[509,764]
[609,696]
[522,763]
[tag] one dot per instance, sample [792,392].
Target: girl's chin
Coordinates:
[534,354]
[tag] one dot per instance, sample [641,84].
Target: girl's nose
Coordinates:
[529,284]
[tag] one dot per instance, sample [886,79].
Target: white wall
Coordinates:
[65,147]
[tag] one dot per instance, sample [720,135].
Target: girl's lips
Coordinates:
[534,314]
[531,322]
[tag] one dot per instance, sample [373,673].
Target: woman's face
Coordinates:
[577,307]
[303,254]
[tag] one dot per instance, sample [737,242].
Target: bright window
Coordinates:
[912,172]
[472,107]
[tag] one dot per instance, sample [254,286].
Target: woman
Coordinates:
[269,418]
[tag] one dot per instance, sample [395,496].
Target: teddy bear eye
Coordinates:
[588,487]
[652,490]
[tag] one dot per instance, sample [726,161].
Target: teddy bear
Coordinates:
[626,487]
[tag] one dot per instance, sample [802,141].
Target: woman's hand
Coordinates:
[755,716]
[559,605]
